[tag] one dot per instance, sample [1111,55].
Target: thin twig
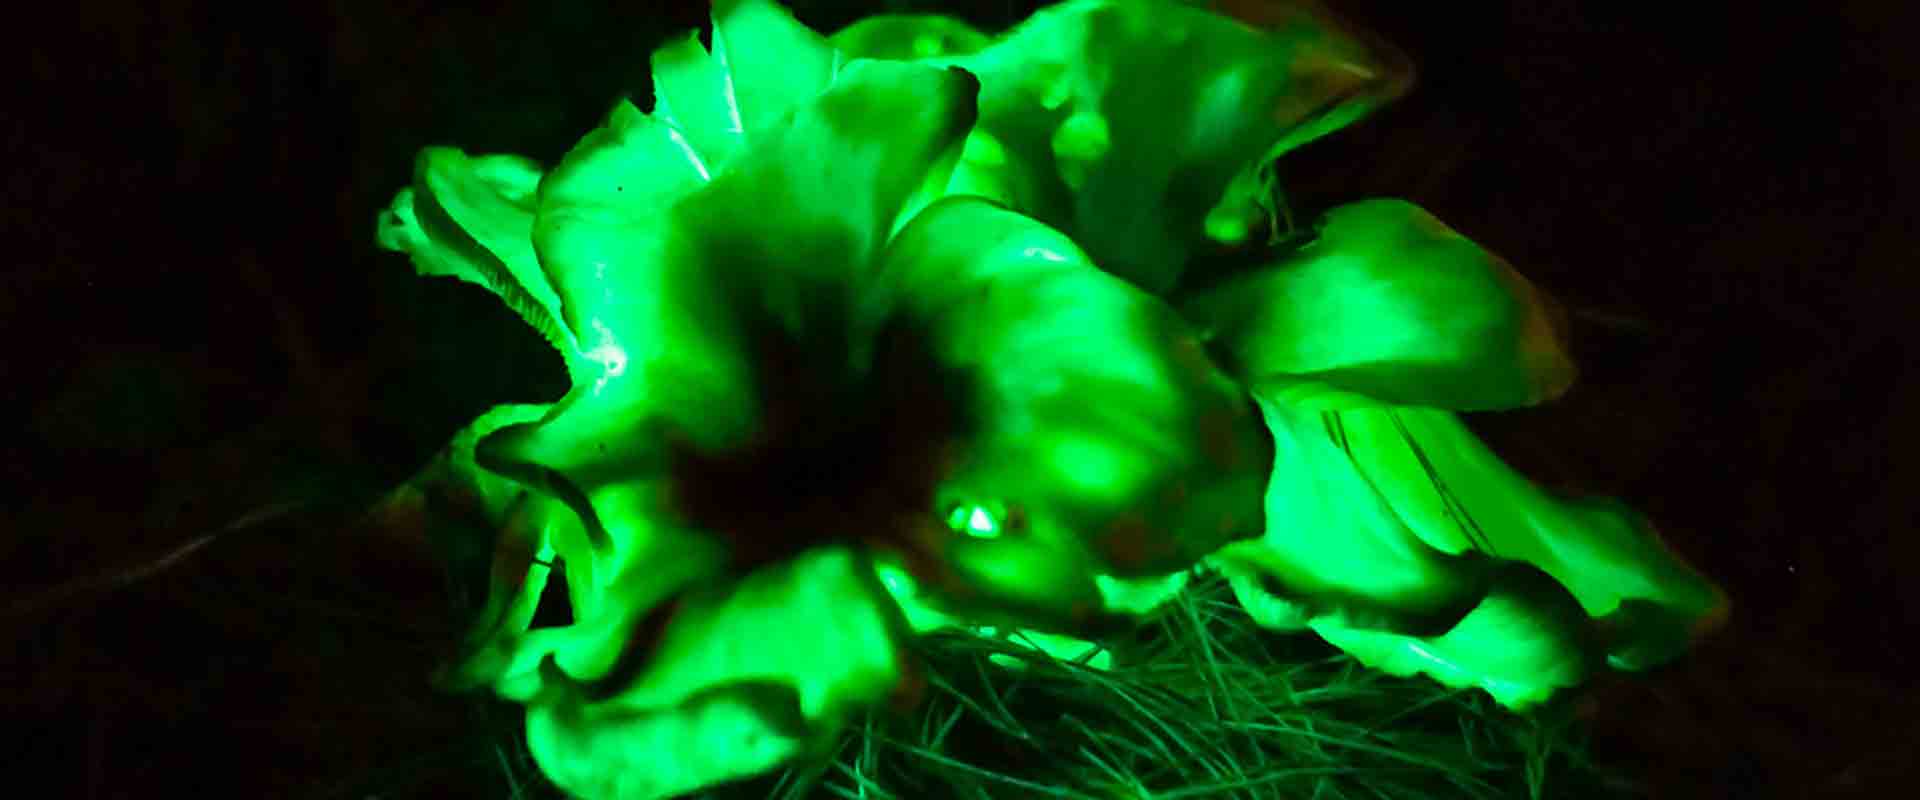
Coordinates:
[113,579]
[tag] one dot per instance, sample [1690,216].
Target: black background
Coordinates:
[196,326]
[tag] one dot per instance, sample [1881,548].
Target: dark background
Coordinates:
[197,327]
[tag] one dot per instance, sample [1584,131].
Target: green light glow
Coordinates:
[870,336]
[977,521]
[1389,305]
[981,524]
[758,277]
[1055,646]
[1391,530]
[1108,138]
[1078,144]
[1393,533]
[904,36]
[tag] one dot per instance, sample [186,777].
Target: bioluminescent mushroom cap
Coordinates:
[1387,305]
[1392,531]
[791,357]
[871,338]
[1141,127]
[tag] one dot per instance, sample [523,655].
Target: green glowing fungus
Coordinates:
[1391,530]
[791,355]
[884,333]
[1139,127]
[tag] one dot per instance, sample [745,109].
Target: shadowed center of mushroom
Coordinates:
[847,448]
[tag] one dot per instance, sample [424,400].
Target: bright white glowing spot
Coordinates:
[980,523]
[692,157]
[611,357]
[1429,655]
[1043,253]
[898,583]
[733,104]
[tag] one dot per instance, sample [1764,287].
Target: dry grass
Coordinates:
[1200,704]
